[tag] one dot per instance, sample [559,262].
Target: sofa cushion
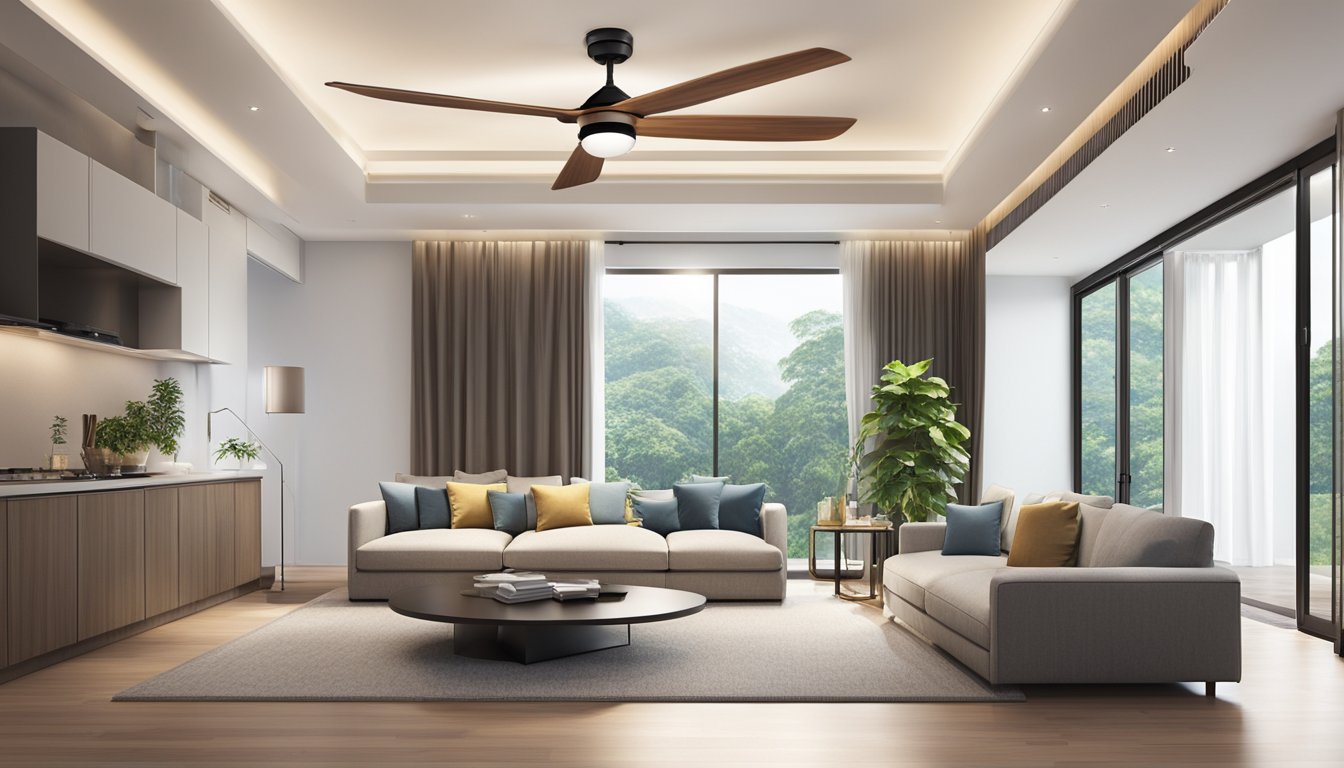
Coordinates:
[432,505]
[428,481]
[656,515]
[721,551]
[909,575]
[588,548]
[435,549]
[509,511]
[698,505]
[1007,496]
[961,601]
[1090,520]
[524,485]
[973,530]
[740,508]
[606,501]
[470,504]
[1105,502]
[1131,536]
[563,506]
[481,478]
[399,498]
[1047,536]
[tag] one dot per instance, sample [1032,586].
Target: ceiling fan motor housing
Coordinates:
[609,45]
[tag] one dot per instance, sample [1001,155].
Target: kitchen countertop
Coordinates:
[48,488]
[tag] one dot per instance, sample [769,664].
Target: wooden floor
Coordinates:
[1289,710]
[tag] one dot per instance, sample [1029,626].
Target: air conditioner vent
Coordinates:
[221,202]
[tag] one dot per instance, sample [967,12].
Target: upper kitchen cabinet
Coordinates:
[131,226]
[62,193]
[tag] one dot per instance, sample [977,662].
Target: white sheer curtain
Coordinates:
[860,368]
[595,431]
[1220,358]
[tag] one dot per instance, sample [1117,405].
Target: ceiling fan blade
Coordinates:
[743,127]
[456,102]
[731,81]
[581,168]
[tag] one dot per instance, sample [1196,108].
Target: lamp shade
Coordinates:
[284,389]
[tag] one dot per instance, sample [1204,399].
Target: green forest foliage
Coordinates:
[659,412]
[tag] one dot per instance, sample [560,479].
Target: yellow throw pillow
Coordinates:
[1047,535]
[470,504]
[561,506]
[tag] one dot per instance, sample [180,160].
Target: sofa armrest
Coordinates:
[775,527]
[920,537]
[1114,625]
[368,521]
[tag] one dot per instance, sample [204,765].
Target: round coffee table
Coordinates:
[544,629]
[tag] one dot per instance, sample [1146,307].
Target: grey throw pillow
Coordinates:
[606,501]
[973,530]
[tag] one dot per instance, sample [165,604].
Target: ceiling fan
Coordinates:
[610,119]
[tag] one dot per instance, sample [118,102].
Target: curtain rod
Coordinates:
[721,242]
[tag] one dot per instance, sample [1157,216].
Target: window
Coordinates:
[730,372]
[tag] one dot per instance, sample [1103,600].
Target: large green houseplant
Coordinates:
[908,454]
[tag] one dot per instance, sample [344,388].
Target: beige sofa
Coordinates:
[721,565]
[1144,605]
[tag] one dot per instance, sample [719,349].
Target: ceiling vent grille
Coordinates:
[221,203]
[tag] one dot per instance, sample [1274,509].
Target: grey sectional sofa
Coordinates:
[1144,605]
[721,565]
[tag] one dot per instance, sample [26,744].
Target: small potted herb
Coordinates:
[240,450]
[59,429]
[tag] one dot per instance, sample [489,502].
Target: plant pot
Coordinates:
[101,462]
[58,459]
[134,462]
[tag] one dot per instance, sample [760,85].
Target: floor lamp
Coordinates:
[283,393]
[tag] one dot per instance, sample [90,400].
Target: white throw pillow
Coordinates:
[1007,496]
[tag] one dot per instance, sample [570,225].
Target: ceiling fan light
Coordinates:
[607,139]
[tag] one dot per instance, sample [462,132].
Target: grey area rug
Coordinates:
[811,648]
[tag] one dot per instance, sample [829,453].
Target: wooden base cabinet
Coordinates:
[43,554]
[111,561]
[76,567]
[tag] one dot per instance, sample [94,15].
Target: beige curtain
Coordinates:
[501,357]
[910,300]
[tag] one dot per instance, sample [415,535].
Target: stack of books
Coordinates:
[585,589]
[516,587]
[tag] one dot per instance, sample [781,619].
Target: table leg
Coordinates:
[837,562]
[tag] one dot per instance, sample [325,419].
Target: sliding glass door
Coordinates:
[728,372]
[1119,387]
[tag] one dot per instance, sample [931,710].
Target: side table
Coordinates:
[882,543]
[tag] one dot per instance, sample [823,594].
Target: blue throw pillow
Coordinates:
[658,515]
[740,508]
[973,530]
[709,479]
[400,501]
[432,504]
[509,511]
[606,502]
[698,505]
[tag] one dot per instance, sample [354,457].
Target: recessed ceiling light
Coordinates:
[1045,109]
[937,221]
[1105,205]
[254,109]
[468,215]
[1170,150]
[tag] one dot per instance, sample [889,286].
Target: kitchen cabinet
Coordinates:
[223,516]
[62,193]
[43,610]
[228,283]
[178,317]
[111,561]
[161,542]
[206,535]
[131,226]
[247,532]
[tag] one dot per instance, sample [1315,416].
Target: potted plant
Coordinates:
[127,437]
[167,420]
[915,459]
[59,429]
[241,450]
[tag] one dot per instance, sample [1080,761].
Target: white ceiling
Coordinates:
[947,94]
[1264,86]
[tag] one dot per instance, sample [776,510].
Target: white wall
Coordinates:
[349,326]
[41,379]
[1027,401]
